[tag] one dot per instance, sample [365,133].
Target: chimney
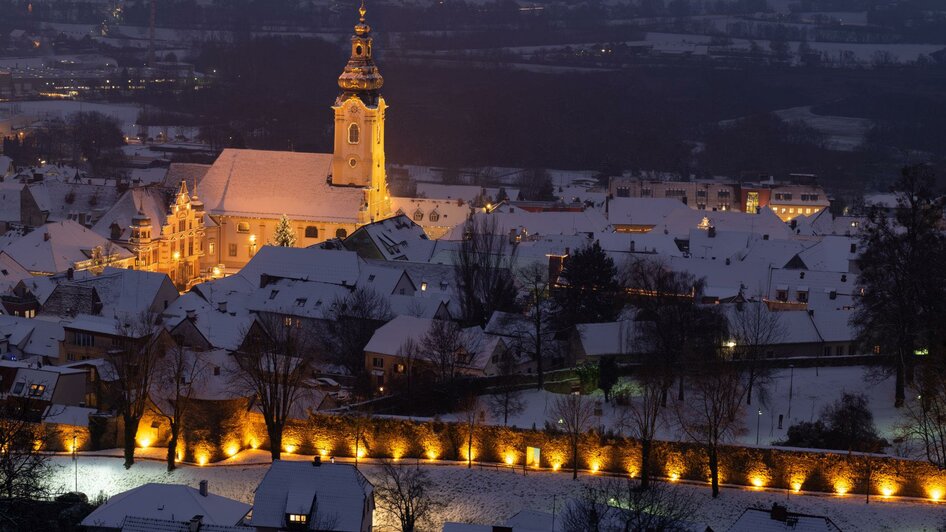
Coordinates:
[317,461]
[191,314]
[222,306]
[203,488]
[711,232]
[779,512]
[46,236]
[70,273]
[194,524]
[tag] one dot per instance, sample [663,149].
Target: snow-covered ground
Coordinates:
[811,390]
[491,495]
[843,133]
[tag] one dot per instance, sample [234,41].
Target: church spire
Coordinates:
[361,78]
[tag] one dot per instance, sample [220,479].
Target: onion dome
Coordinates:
[361,77]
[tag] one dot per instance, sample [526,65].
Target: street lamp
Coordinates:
[791,384]
[758,426]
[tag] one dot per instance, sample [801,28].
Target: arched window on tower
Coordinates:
[354,134]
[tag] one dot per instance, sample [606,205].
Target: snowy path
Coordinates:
[489,496]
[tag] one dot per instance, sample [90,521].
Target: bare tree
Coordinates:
[24,462]
[536,334]
[133,365]
[641,416]
[755,330]
[273,364]
[359,421]
[409,353]
[924,421]
[352,321]
[473,413]
[573,415]
[408,494]
[448,348]
[483,268]
[712,414]
[670,321]
[662,507]
[588,512]
[179,376]
[506,400]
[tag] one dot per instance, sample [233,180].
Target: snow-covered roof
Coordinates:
[296,298]
[10,199]
[221,328]
[642,211]
[151,201]
[832,253]
[606,339]
[276,183]
[166,501]
[310,264]
[58,246]
[389,338]
[32,336]
[337,491]
[760,520]
[395,238]
[129,292]
[188,172]
[449,213]
[540,223]
[11,273]
[146,524]
[65,200]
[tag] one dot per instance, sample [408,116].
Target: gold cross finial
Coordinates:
[361,11]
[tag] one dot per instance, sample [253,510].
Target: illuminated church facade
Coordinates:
[324,196]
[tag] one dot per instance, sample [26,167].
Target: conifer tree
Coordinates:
[284,236]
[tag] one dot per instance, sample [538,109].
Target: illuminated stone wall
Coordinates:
[228,428]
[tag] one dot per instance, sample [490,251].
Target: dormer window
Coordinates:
[36,390]
[297,519]
[434,216]
[354,134]
[418,215]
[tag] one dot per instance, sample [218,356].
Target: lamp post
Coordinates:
[758,426]
[791,385]
[75,458]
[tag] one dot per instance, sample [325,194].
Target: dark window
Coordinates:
[340,233]
[354,134]
[18,388]
[311,231]
[377,362]
[232,250]
[418,215]
[624,192]
[434,216]
[85,339]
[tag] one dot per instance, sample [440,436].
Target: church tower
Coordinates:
[359,127]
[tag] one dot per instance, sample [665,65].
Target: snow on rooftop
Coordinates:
[67,243]
[310,264]
[166,501]
[275,183]
[335,490]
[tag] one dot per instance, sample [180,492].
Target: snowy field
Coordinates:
[843,133]
[490,495]
[811,390]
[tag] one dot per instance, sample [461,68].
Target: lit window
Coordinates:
[298,518]
[354,134]
[423,287]
[211,246]
[400,368]
[37,390]
[243,227]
